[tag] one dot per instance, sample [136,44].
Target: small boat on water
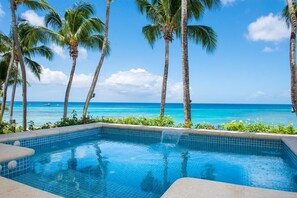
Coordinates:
[47,105]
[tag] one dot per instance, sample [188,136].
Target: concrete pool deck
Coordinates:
[185,187]
[199,188]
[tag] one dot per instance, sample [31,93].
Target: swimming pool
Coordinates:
[114,162]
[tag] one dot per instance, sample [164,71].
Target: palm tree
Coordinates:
[105,50]
[32,4]
[166,18]
[165,15]
[77,28]
[207,40]
[4,64]
[289,13]
[4,46]
[185,63]
[30,39]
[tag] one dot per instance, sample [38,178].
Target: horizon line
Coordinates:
[222,103]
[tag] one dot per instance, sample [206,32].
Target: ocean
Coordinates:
[43,112]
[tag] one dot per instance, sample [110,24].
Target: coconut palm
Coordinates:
[188,11]
[6,67]
[34,5]
[166,16]
[185,62]
[290,14]
[4,64]
[77,28]
[105,50]
[31,38]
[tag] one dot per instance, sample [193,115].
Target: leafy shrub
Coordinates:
[6,127]
[47,125]
[258,127]
[31,125]
[205,126]
[233,126]
[156,121]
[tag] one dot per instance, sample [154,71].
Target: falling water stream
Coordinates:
[171,136]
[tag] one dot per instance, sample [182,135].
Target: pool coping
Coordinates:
[10,188]
[289,140]
[10,152]
[199,188]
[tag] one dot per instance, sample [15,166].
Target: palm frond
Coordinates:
[34,67]
[89,26]
[204,35]
[5,43]
[37,5]
[42,50]
[96,42]
[210,4]
[53,20]
[32,35]
[286,14]
[152,33]
[151,10]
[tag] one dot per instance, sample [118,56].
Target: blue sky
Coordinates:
[250,64]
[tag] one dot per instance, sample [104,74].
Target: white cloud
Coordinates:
[33,18]
[268,28]
[82,53]
[139,83]
[49,77]
[58,50]
[82,80]
[2,13]
[133,85]
[269,49]
[227,2]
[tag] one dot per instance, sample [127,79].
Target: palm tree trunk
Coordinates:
[99,66]
[6,82]
[23,68]
[13,92]
[69,85]
[293,56]
[165,77]
[185,64]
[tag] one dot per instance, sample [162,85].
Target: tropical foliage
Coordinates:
[31,42]
[165,16]
[34,5]
[77,28]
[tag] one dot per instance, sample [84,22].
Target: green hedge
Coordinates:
[156,121]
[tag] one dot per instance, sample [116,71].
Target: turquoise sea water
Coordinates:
[43,112]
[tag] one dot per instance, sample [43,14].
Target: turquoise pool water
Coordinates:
[117,166]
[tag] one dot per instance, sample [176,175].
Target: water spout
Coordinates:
[171,136]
